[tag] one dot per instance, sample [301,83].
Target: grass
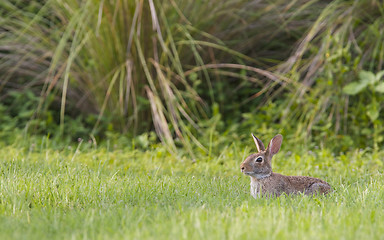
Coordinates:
[121,193]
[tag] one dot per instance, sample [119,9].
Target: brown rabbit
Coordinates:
[264,182]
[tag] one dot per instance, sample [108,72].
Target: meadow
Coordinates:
[128,119]
[89,192]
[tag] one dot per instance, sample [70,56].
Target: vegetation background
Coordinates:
[184,83]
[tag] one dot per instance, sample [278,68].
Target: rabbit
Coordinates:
[264,182]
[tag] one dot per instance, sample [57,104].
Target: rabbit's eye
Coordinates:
[259,159]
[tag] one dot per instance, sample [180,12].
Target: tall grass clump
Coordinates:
[114,59]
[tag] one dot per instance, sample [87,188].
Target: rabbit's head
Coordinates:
[259,164]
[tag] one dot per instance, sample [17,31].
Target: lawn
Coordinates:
[121,193]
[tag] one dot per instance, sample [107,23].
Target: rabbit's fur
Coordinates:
[264,182]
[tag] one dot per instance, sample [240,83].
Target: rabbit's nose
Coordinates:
[242,168]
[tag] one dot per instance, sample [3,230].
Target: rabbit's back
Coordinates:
[278,184]
[308,185]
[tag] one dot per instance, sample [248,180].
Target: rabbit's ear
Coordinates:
[275,144]
[259,143]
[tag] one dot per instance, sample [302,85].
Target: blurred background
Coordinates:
[193,75]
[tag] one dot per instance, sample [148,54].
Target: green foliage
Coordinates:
[367,79]
[372,84]
[19,108]
[91,192]
[343,42]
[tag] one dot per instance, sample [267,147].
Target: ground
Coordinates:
[99,193]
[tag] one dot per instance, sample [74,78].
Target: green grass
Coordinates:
[88,193]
